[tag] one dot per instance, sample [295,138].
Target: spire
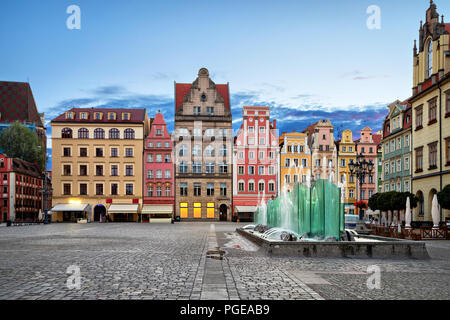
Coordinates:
[415,48]
[442,19]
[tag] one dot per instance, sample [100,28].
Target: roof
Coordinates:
[25,167]
[17,103]
[447,27]
[377,138]
[136,115]
[181,89]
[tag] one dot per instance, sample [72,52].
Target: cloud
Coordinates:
[109,90]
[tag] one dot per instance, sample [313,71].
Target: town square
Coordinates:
[183,168]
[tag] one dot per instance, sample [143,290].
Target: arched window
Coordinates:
[66,133]
[129,134]
[197,150]
[209,151]
[99,133]
[83,133]
[114,134]
[223,150]
[421,204]
[430,58]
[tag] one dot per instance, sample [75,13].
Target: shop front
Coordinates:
[246,213]
[70,212]
[123,212]
[157,213]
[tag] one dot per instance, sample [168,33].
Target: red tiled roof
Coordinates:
[447,27]
[17,103]
[136,115]
[181,89]
[377,138]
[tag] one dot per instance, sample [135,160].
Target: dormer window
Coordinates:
[111,116]
[83,115]
[69,115]
[430,58]
[125,116]
[98,116]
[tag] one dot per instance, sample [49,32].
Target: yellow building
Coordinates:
[431,114]
[347,182]
[97,164]
[295,160]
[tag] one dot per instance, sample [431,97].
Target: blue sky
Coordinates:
[306,59]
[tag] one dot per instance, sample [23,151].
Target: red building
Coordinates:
[367,146]
[256,162]
[20,184]
[159,181]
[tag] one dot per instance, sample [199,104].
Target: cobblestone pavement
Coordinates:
[195,261]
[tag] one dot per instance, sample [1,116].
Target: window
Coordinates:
[344,149]
[342,162]
[407,141]
[197,189]
[287,179]
[251,170]
[66,133]
[99,152]
[210,167]
[182,167]
[196,167]
[99,133]
[111,116]
[83,152]
[241,170]
[261,155]
[271,187]
[167,191]
[250,129]
[150,158]
[99,189]
[209,151]
[370,178]
[295,178]
[97,116]
[386,169]
[363,194]
[83,170]
[83,189]
[251,141]
[262,141]
[158,191]
[430,58]
[114,133]
[99,170]
[271,155]
[182,151]
[317,162]
[210,110]
[209,132]
[261,187]
[129,170]
[351,193]
[223,151]
[370,193]
[392,167]
[432,148]
[129,189]
[159,158]
[210,189]
[167,158]
[407,186]
[241,186]
[251,155]
[419,159]
[114,170]
[158,174]
[197,132]
[67,170]
[271,170]
[183,189]
[304,163]
[406,163]
[197,111]
[399,165]
[114,189]
[114,152]
[251,186]
[167,144]
[83,133]
[287,162]
[128,152]
[167,174]
[296,149]
[432,107]
[351,179]
[66,152]
[241,155]
[125,116]
[223,168]
[69,115]
[419,117]
[149,174]
[447,150]
[67,189]
[129,134]
[158,132]
[183,132]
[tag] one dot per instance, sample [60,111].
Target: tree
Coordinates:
[374,201]
[18,141]
[444,197]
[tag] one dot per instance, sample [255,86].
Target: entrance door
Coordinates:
[223,212]
[99,211]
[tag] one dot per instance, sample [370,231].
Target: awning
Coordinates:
[123,208]
[71,207]
[246,208]
[157,208]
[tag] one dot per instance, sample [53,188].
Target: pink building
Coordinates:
[367,145]
[159,182]
[255,162]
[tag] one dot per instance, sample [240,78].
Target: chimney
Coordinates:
[274,123]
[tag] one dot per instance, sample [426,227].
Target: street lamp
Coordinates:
[360,169]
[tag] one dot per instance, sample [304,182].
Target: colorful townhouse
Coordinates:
[430,104]
[256,162]
[203,143]
[295,160]
[97,161]
[396,148]
[323,150]
[367,146]
[20,184]
[159,178]
[346,181]
[380,163]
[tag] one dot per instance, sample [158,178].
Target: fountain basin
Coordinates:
[364,247]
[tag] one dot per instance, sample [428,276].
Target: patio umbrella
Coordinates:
[435,212]
[40,215]
[408,214]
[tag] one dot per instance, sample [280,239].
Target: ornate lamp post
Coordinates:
[361,169]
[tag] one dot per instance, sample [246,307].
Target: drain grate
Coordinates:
[215,254]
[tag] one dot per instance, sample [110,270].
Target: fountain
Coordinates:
[304,211]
